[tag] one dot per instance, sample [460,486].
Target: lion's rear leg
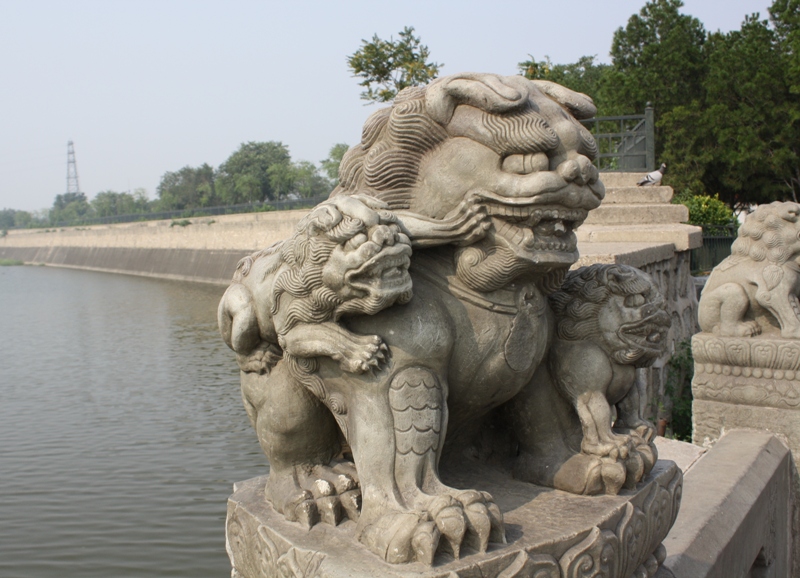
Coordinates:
[722,311]
[300,438]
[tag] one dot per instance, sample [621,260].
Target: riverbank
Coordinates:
[201,249]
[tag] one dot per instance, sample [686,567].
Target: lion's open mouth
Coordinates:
[385,272]
[536,228]
[648,334]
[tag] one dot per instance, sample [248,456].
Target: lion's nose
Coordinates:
[579,169]
[383,235]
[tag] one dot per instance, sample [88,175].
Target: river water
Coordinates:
[121,427]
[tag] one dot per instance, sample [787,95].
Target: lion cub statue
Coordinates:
[610,321]
[756,289]
[347,256]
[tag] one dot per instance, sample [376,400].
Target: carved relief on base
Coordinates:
[754,371]
[618,538]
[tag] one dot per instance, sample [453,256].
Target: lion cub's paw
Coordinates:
[363,353]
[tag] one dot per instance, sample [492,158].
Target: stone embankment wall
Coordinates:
[206,250]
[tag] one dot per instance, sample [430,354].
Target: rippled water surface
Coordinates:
[121,427]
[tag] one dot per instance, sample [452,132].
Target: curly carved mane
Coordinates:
[770,233]
[386,162]
[583,295]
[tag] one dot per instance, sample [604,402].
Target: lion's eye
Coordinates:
[634,300]
[356,242]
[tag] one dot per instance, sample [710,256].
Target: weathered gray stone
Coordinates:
[624,214]
[550,534]
[757,287]
[628,195]
[735,517]
[684,237]
[615,179]
[747,360]
[358,392]
[684,454]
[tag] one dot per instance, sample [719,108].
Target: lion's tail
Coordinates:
[237,319]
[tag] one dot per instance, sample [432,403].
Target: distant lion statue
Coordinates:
[756,289]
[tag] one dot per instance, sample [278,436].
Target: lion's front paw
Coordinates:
[469,221]
[618,447]
[446,524]
[638,428]
[363,353]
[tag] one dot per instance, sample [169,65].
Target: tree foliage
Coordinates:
[657,58]
[388,66]
[111,203]
[69,208]
[330,166]
[247,175]
[727,104]
[187,188]
[584,76]
[740,138]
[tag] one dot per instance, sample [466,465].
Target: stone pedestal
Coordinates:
[551,534]
[751,382]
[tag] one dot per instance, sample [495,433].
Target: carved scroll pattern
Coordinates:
[756,371]
[624,550]
[293,563]
[595,557]
[628,551]
[755,352]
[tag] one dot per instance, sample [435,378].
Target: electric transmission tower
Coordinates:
[72,170]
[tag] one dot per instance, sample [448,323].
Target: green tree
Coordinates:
[389,66]
[111,203]
[741,140]
[330,166]
[188,188]
[785,16]
[7,218]
[584,76]
[245,176]
[308,182]
[282,179]
[70,209]
[658,58]
[23,219]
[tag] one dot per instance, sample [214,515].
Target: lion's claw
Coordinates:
[321,494]
[306,513]
[363,353]
[453,525]
[425,541]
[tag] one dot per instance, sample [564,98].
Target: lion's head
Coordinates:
[348,256]
[617,306]
[771,232]
[513,143]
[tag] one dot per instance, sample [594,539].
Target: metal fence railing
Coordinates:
[626,143]
[717,242]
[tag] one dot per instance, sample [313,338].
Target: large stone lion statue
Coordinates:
[756,289]
[487,176]
[611,321]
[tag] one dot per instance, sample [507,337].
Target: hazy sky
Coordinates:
[148,86]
